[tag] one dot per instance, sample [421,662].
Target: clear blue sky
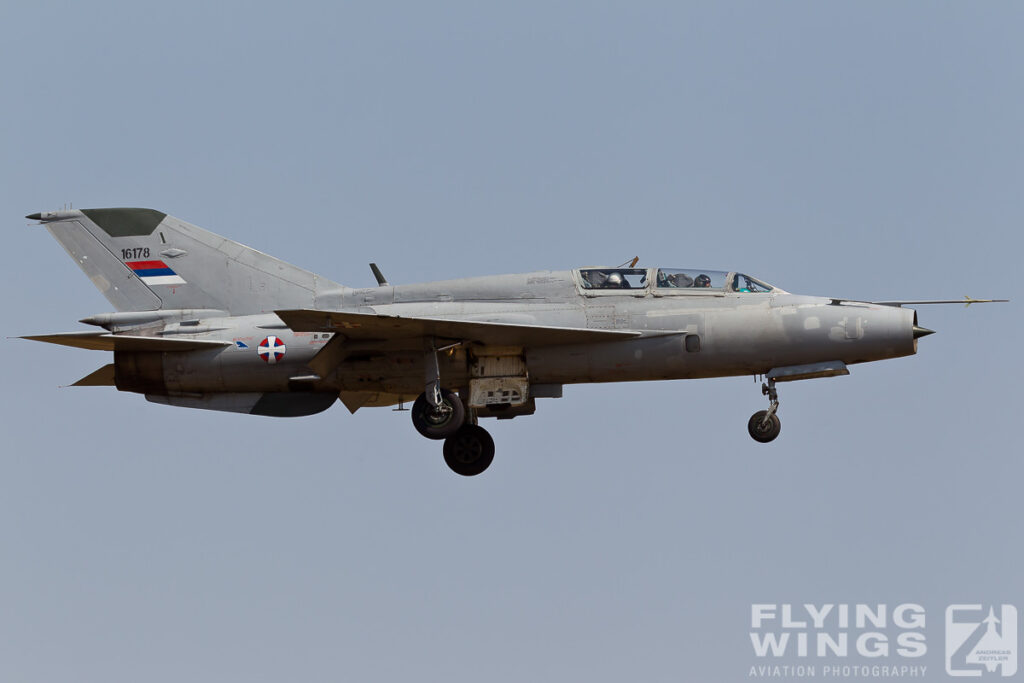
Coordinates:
[869,150]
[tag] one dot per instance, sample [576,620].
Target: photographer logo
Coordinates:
[980,641]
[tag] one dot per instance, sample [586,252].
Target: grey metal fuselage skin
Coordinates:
[684,334]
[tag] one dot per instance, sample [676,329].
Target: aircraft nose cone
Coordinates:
[922,331]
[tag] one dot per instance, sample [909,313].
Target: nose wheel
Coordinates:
[764,425]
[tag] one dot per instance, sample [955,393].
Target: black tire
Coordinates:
[469,451]
[435,424]
[763,433]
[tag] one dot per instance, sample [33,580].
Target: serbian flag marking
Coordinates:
[155,273]
[271,350]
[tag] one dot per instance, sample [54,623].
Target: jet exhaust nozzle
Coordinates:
[922,331]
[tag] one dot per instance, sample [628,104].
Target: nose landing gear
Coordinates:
[764,425]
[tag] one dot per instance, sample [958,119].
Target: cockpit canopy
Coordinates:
[671,280]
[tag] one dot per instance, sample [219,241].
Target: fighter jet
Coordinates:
[203,322]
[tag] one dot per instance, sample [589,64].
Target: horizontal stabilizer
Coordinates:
[104,377]
[369,327]
[104,341]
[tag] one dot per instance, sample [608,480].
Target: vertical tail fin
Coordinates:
[143,260]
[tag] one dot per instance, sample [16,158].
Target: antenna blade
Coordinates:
[381,282]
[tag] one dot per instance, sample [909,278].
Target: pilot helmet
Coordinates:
[614,280]
[702,280]
[681,280]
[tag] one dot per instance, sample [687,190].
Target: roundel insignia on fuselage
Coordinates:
[271,349]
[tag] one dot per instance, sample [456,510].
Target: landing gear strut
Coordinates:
[440,414]
[437,413]
[764,425]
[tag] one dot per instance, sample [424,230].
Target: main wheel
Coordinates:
[442,421]
[764,432]
[469,451]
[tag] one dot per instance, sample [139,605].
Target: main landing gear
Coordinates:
[469,451]
[764,425]
[440,414]
[468,448]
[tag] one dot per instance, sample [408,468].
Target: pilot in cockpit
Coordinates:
[674,279]
[681,280]
[615,281]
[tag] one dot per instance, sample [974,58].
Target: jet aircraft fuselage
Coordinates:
[679,336]
[204,322]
